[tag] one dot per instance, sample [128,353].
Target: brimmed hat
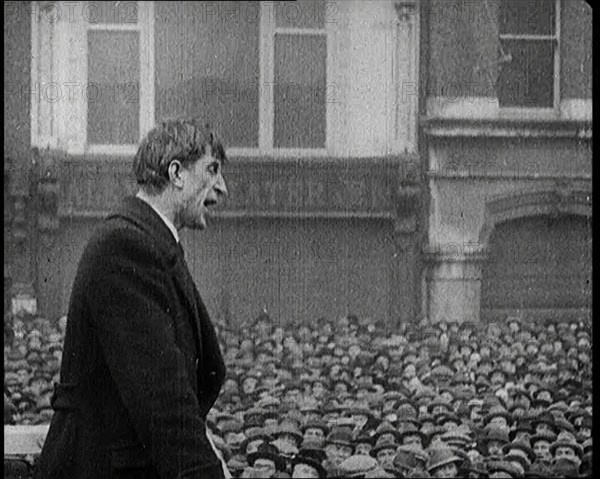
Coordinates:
[439,401]
[543,418]
[547,436]
[498,411]
[386,428]
[440,456]
[504,466]
[267,451]
[566,439]
[254,434]
[410,429]
[305,457]
[444,417]
[340,437]
[382,445]
[287,427]
[520,446]
[494,433]
[358,466]
[457,437]
[316,425]
[523,425]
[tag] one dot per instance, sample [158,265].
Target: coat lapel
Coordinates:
[143,216]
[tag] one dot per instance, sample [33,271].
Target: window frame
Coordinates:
[528,112]
[145,29]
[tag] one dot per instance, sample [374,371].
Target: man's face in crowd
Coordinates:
[265,466]
[201,186]
[249,385]
[314,434]
[412,439]
[495,448]
[318,389]
[363,448]
[305,470]
[499,421]
[385,457]
[449,470]
[475,414]
[565,452]
[337,453]
[542,450]
[410,371]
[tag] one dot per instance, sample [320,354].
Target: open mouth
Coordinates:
[209,202]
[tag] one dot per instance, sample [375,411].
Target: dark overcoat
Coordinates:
[141,365]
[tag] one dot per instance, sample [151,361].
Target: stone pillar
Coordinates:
[405,294]
[454,283]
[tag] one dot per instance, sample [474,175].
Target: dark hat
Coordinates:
[254,434]
[498,411]
[550,437]
[409,429]
[504,466]
[494,433]
[523,425]
[287,427]
[383,444]
[439,401]
[386,428]
[237,463]
[316,425]
[340,437]
[566,439]
[305,457]
[255,412]
[543,418]
[521,446]
[267,451]
[315,450]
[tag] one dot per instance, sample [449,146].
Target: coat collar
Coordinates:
[143,215]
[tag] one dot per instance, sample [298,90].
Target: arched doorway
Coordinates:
[540,265]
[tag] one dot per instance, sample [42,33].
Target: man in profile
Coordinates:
[141,365]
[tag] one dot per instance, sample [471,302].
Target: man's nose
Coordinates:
[220,186]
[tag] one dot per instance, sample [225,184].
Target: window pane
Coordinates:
[113,91]
[207,66]
[301,14]
[528,80]
[110,12]
[299,94]
[534,17]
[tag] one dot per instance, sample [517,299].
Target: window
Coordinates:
[113,72]
[255,71]
[207,66]
[529,35]
[300,65]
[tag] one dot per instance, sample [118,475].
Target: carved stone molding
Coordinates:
[562,199]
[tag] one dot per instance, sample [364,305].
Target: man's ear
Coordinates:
[174,172]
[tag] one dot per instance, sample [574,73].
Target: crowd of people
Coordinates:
[348,397]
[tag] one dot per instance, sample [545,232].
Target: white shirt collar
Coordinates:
[166,220]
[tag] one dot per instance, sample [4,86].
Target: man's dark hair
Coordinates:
[182,140]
